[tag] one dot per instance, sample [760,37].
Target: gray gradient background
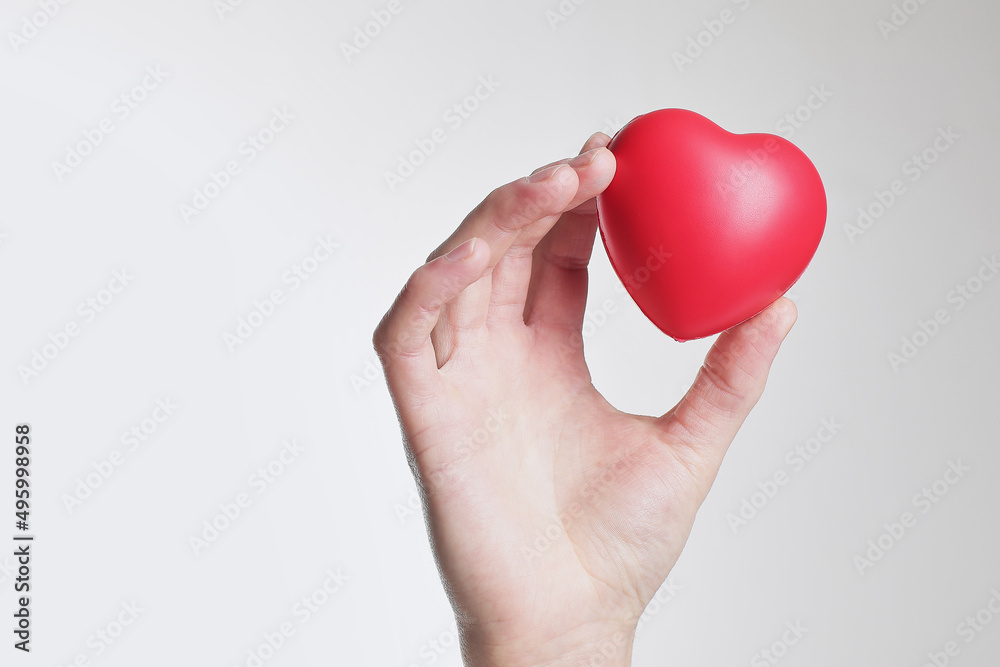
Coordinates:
[343,503]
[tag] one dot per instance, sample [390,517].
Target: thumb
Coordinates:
[728,386]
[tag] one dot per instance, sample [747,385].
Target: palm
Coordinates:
[551,512]
[549,470]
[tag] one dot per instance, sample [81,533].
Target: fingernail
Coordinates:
[544,174]
[463,251]
[583,159]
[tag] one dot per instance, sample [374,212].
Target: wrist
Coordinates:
[595,645]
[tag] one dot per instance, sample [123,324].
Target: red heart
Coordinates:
[704,227]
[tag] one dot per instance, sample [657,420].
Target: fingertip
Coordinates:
[406,328]
[553,173]
[563,174]
[462,252]
[554,190]
[596,140]
[785,314]
[776,320]
[466,262]
[595,170]
[479,249]
[605,163]
[753,344]
[479,255]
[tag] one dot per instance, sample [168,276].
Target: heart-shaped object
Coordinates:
[704,227]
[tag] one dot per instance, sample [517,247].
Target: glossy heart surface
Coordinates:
[706,228]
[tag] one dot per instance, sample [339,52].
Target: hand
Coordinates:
[554,517]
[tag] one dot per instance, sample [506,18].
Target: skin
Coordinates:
[554,518]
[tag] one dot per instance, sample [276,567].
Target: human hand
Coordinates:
[508,438]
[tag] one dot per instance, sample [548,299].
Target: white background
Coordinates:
[306,374]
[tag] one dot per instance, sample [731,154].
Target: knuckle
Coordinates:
[724,381]
[516,206]
[568,261]
[385,342]
[379,337]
